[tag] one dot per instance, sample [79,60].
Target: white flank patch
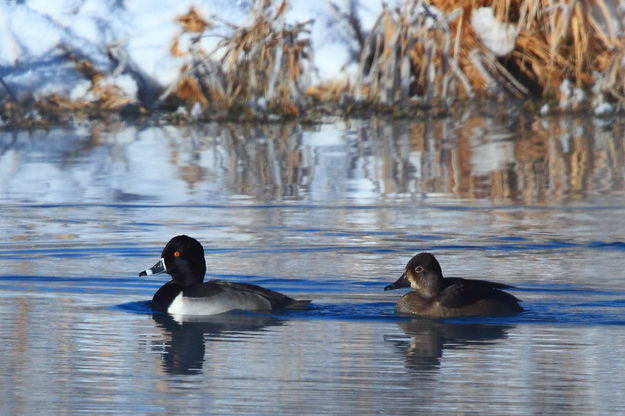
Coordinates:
[183,305]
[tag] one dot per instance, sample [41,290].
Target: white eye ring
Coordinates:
[418,269]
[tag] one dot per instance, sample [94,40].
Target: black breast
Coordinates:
[165,296]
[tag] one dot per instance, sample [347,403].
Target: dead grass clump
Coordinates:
[429,54]
[193,21]
[266,61]
[561,40]
[101,95]
[261,67]
[431,51]
[388,72]
[611,82]
[334,91]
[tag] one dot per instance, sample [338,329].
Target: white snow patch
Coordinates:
[497,36]
[604,109]
[37,35]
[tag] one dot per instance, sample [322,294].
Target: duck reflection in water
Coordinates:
[428,339]
[186,337]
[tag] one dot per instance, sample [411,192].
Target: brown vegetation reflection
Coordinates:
[504,159]
[267,162]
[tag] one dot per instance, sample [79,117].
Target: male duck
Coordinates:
[437,297]
[187,294]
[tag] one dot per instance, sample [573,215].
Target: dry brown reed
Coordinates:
[408,52]
[420,51]
[263,66]
[561,39]
[99,96]
[430,50]
[424,52]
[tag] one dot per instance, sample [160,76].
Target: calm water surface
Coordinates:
[331,213]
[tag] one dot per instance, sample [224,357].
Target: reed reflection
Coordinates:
[265,162]
[428,339]
[186,338]
[503,159]
[510,160]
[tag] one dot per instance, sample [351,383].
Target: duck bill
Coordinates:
[399,283]
[159,267]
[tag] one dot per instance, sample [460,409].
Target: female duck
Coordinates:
[187,294]
[437,297]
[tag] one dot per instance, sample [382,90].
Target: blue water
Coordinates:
[330,213]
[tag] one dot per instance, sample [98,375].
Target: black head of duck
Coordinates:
[187,293]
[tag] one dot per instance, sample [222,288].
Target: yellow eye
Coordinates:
[176,254]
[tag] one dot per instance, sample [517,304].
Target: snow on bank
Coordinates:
[38,35]
[41,40]
[498,37]
[92,50]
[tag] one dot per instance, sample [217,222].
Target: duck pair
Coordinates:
[433,296]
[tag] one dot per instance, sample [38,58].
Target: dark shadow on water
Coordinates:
[361,311]
[428,339]
[141,307]
[186,337]
[425,340]
[586,307]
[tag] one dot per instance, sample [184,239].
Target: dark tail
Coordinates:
[299,304]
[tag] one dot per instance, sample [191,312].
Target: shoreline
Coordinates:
[45,115]
[269,62]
